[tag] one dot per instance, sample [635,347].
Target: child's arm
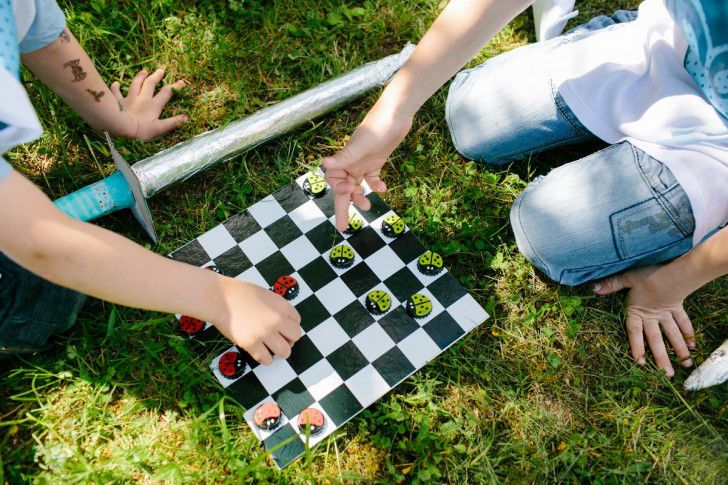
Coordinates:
[655,300]
[461,30]
[100,263]
[65,67]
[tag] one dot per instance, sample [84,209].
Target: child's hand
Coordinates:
[654,310]
[259,321]
[362,158]
[144,109]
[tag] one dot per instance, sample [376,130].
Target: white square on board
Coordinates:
[419,348]
[258,247]
[328,336]
[307,216]
[367,385]
[224,381]
[335,296]
[467,312]
[300,252]
[373,342]
[266,211]
[384,262]
[275,375]
[252,275]
[320,379]
[304,291]
[329,427]
[262,434]
[216,241]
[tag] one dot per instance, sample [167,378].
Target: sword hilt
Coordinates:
[98,199]
[120,190]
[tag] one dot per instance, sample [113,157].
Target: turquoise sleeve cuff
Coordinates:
[48,24]
[5,169]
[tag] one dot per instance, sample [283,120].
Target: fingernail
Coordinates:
[597,287]
[691,344]
[641,361]
[687,362]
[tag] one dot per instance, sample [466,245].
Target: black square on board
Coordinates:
[282,453]
[210,335]
[407,247]
[447,289]
[326,203]
[347,360]
[304,354]
[247,390]
[398,324]
[378,209]
[317,274]
[191,253]
[443,329]
[241,226]
[341,405]
[354,318]
[273,267]
[293,398]
[393,366]
[360,279]
[290,197]
[403,284]
[312,313]
[324,237]
[232,262]
[366,242]
[283,231]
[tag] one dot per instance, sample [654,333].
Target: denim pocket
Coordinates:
[653,224]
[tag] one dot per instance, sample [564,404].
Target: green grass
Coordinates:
[545,391]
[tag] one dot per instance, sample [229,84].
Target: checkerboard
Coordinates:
[347,358]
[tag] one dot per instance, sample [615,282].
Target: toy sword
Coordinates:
[130,186]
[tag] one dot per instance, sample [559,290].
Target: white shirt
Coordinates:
[627,82]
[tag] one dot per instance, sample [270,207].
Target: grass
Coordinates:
[543,392]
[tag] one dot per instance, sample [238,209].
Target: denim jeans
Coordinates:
[613,210]
[32,309]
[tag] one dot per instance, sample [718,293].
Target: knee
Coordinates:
[471,135]
[544,239]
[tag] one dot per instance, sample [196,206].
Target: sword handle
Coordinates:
[98,199]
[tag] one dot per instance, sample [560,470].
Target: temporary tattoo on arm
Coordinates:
[64,36]
[96,94]
[78,73]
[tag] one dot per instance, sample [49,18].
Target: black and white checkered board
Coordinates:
[347,358]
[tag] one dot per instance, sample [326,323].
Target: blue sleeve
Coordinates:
[5,169]
[48,24]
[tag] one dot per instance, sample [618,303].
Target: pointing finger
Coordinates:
[341,209]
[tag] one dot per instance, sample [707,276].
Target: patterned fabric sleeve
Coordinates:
[703,25]
[48,24]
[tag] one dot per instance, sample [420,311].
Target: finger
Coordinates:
[676,339]
[150,83]
[164,125]
[166,93]
[635,336]
[341,209]
[611,284]
[332,163]
[657,346]
[375,183]
[278,345]
[261,354]
[291,331]
[361,201]
[136,83]
[686,326]
[116,90]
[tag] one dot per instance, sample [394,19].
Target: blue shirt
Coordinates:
[47,24]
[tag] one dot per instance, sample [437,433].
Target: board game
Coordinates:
[375,307]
